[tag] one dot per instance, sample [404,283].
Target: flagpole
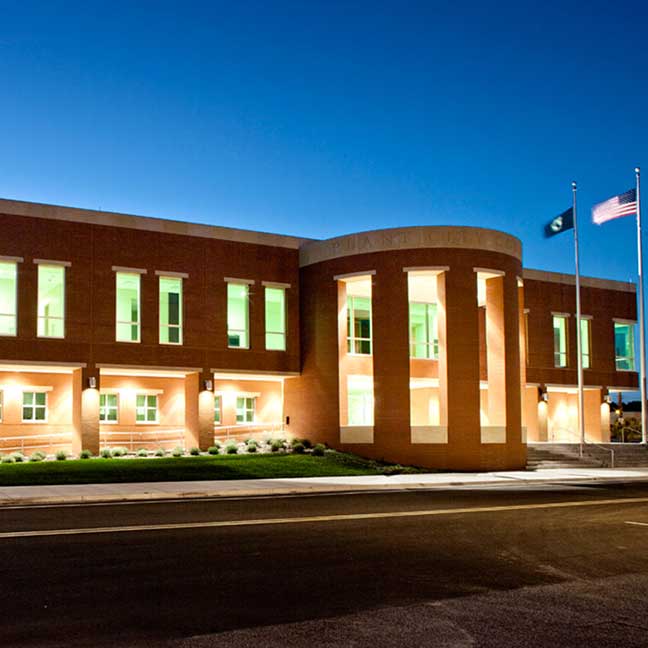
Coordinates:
[579,342]
[642,330]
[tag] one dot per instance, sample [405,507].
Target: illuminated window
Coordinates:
[8,297]
[128,307]
[170,310]
[624,346]
[424,339]
[108,408]
[238,324]
[586,343]
[34,407]
[560,340]
[245,407]
[217,409]
[1,404]
[51,301]
[275,319]
[146,408]
[360,400]
[359,325]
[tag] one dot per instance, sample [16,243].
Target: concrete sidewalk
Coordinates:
[81,493]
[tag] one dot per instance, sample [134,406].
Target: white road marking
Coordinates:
[318,518]
[637,523]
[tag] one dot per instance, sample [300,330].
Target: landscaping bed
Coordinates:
[193,468]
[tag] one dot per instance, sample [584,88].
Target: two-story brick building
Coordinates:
[427,345]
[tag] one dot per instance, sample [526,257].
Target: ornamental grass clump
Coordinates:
[160,452]
[105,453]
[37,456]
[142,452]
[298,448]
[252,446]
[85,454]
[277,445]
[119,452]
[19,457]
[194,452]
[212,450]
[177,451]
[231,448]
[7,459]
[61,455]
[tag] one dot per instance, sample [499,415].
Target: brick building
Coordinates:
[426,345]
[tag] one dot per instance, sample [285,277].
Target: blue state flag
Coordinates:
[561,223]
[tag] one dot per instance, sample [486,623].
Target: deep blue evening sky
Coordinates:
[318,119]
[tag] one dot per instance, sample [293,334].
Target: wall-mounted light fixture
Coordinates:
[545,396]
[607,399]
[92,382]
[209,385]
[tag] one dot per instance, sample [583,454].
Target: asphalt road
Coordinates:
[528,566]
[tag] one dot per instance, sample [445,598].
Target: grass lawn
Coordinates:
[264,466]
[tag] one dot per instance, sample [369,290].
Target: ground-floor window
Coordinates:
[1,404]
[146,408]
[360,400]
[245,406]
[217,410]
[34,407]
[108,408]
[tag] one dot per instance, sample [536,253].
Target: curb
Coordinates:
[304,490]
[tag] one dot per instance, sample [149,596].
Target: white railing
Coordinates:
[132,438]
[231,431]
[51,443]
[592,443]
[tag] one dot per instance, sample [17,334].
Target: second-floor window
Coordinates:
[586,343]
[51,301]
[424,339]
[275,319]
[170,310]
[624,350]
[8,297]
[238,321]
[359,325]
[127,311]
[560,340]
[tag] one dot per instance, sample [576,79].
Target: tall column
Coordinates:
[199,411]
[391,360]
[524,414]
[597,416]
[461,389]
[495,362]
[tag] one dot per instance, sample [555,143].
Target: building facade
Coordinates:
[422,345]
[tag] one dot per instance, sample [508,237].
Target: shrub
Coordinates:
[306,443]
[319,450]
[106,453]
[160,452]
[119,452]
[277,445]
[19,457]
[252,446]
[85,454]
[61,455]
[194,452]
[298,448]
[231,448]
[37,456]
[142,452]
[7,459]
[177,451]
[213,450]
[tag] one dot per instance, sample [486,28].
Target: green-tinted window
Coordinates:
[128,307]
[237,316]
[1,404]
[275,318]
[108,408]
[560,340]
[217,409]
[245,406]
[360,400]
[34,407]
[51,301]
[8,297]
[170,310]
[146,408]
[624,346]
[586,343]
[359,325]
[424,340]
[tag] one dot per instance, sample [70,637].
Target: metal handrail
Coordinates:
[593,443]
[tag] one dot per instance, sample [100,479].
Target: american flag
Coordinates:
[623,205]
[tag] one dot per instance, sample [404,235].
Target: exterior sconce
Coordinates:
[607,399]
[545,396]
[209,385]
[92,382]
